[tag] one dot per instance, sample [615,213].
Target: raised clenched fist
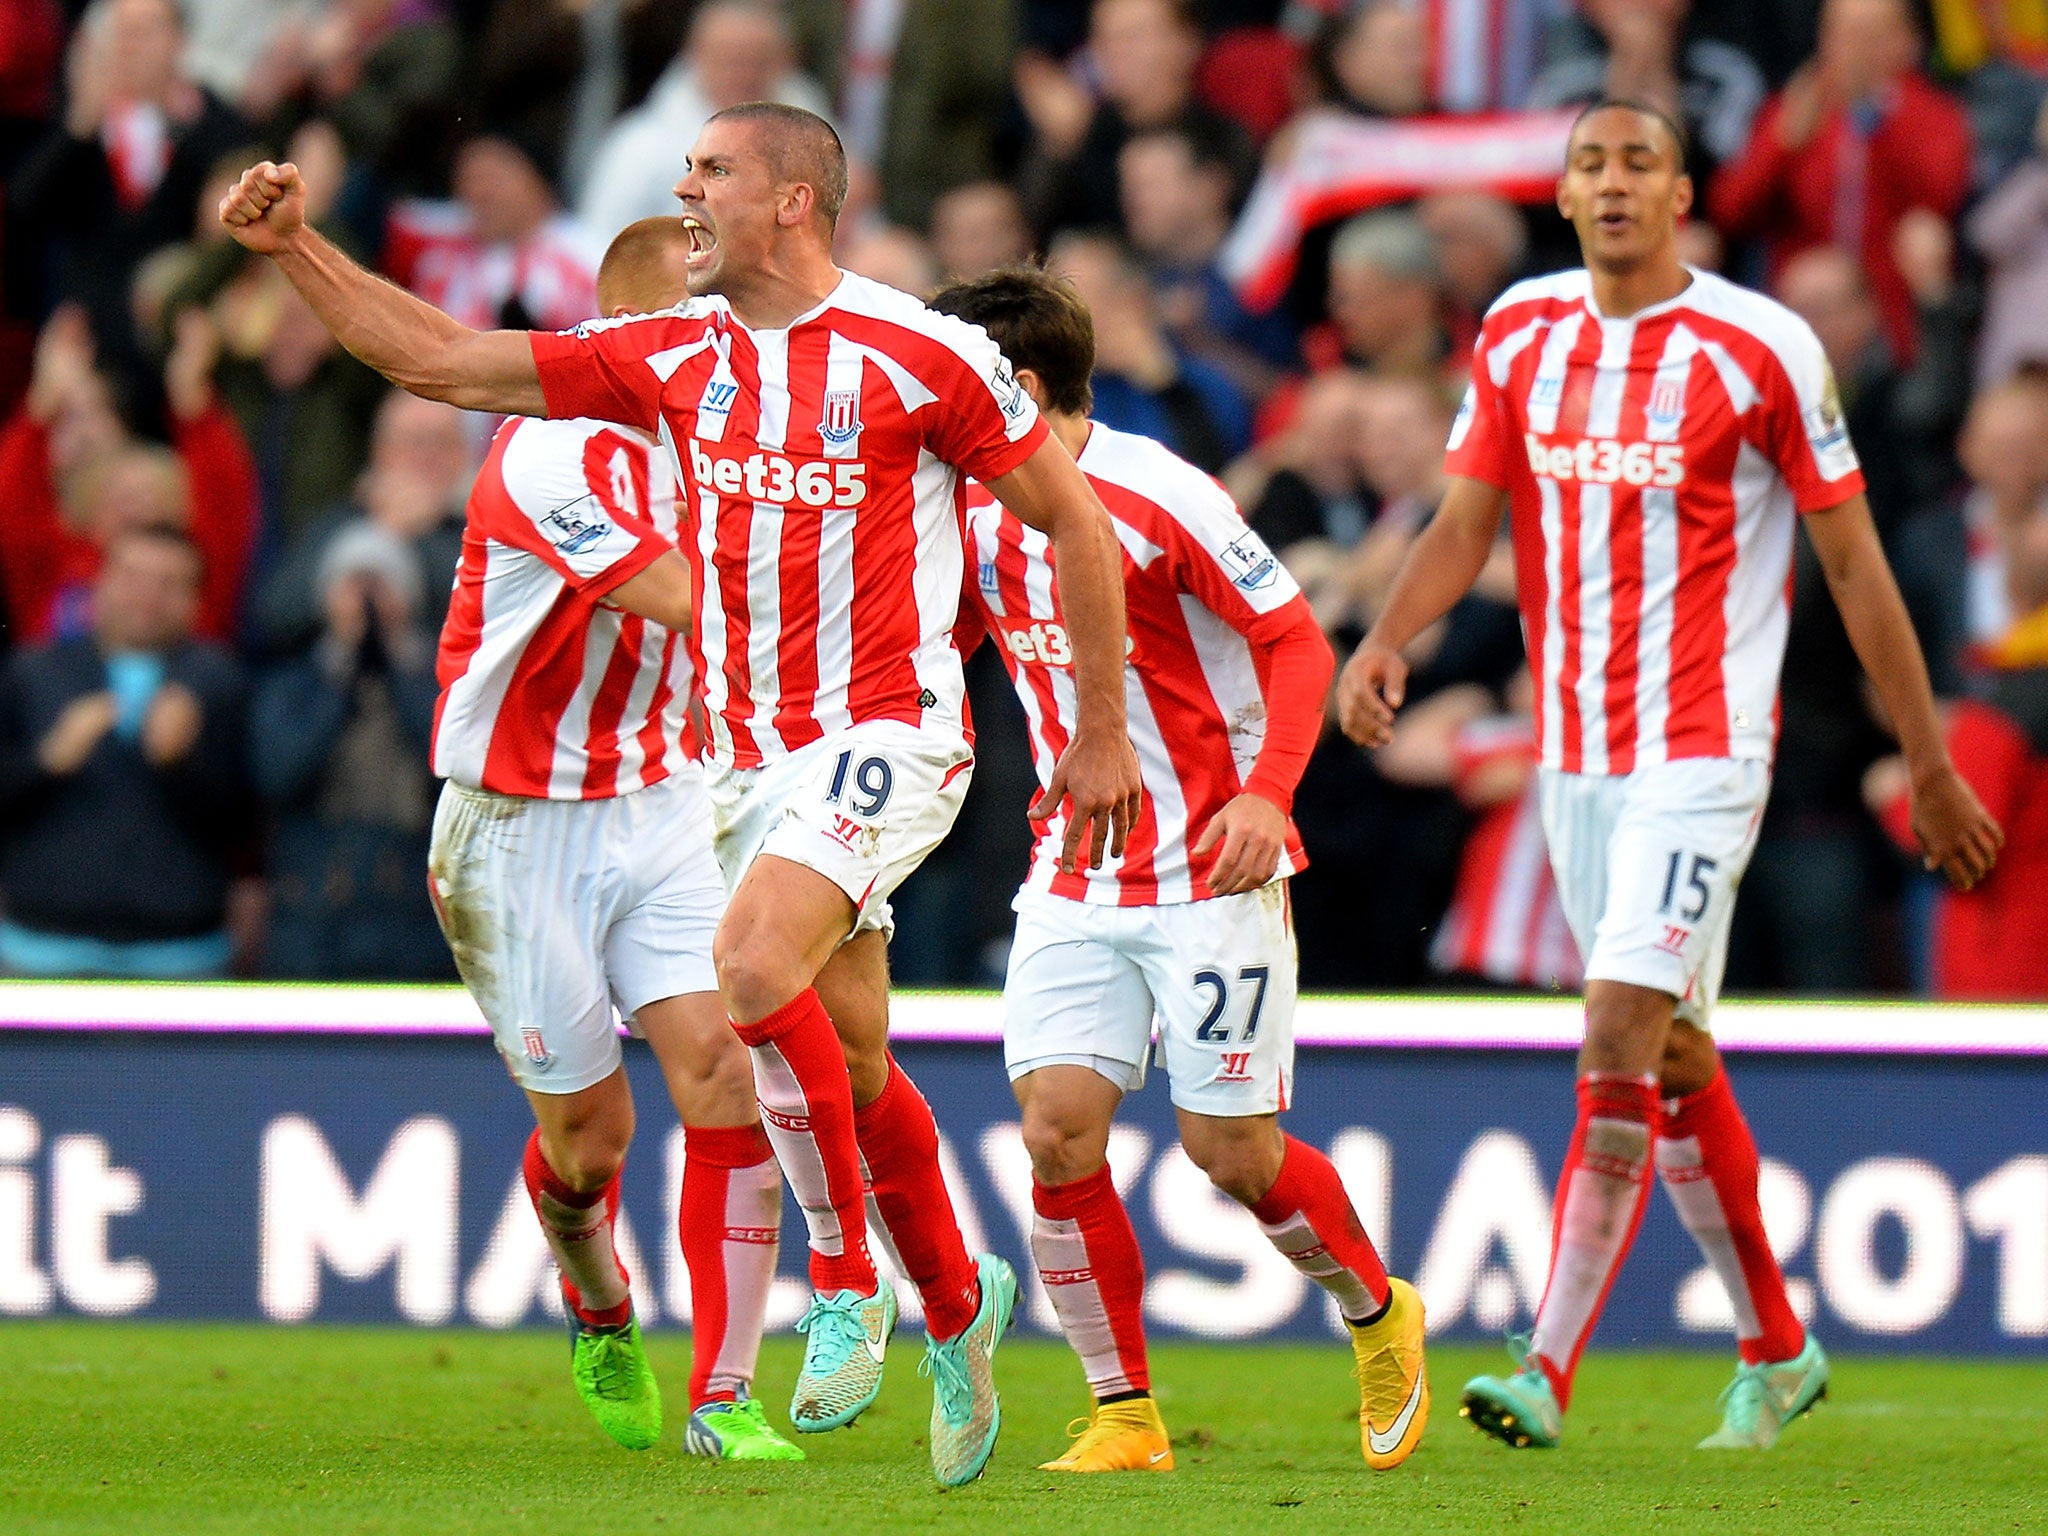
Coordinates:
[266,207]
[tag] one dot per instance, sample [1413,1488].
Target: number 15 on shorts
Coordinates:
[1690,901]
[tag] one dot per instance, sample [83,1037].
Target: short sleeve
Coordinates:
[577,500]
[1801,427]
[1215,556]
[1481,446]
[982,422]
[612,370]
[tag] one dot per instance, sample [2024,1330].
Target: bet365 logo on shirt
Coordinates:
[1606,461]
[780,481]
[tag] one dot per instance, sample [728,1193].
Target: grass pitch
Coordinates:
[158,1428]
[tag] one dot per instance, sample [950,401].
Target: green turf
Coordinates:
[141,1429]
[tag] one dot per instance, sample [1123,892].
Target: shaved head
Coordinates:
[643,270]
[799,146]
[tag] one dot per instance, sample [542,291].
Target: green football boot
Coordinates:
[615,1381]
[1519,1410]
[842,1372]
[736,1431]
[966,1412]
[1763,1399]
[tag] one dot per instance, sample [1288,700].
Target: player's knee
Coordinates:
[1241,1161]
[588,1157]
[754,979]
[1062,1147]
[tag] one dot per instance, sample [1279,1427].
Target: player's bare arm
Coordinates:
[1958,835]
[1446,559]
[659,594]
[406,339]
[1098,773]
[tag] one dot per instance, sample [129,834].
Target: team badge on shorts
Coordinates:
[536,1048]
[841,422]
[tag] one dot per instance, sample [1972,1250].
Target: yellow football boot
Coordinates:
[1120,1437]
[1393,1388]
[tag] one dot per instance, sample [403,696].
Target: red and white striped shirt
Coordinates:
[1653,466]
[822,465]
[432,249]
[1204,599]
[1506,922]
[545,691]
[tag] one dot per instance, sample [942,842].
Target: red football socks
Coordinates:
[730,1222]
[1087,1257]
[1308,1216]
[1708,1162]
[1600,1201]
[899,1142]
[807,1110]
[578,1225]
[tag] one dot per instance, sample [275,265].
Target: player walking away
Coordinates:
[1654,430]
[572,870]
[820,423]
[1224,678]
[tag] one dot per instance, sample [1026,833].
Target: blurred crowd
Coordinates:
[226,547]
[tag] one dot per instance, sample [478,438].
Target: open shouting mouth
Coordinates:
[703,242]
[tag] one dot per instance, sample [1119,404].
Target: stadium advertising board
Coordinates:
[342,1155]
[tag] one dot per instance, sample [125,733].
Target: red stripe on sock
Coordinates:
[1714,1120]
[541,1179]
[1606,1096]
[1118,1267]
[1310,1186]
[899,1140]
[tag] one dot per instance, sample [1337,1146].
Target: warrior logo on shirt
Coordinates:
[1250,563]
[569,529]
[841,423]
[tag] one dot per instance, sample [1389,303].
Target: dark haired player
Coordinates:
[820,423]
[1225,675]
[1657,434]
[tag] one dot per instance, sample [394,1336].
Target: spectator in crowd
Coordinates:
[1482,245]
[2009,230]
[737,50]
[1855,139]
[893,256]
[921,88]
[503,253]
[1505,926]
[1302,487]
[1374,59]
[1994,53]
[120,175]
[1900,420]
[1386,299]
[339,740]
[304,405]
[977,228]
[1643,50]
[75,482]
[121,784]
[1142,383]
[387,73]
[1984,942]
[1143,55]
[1955,560]
[1178,196]
[413,489]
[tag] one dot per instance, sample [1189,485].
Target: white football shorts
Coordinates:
[558,911]
[1647,864]
[863,807]
[1086,982]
